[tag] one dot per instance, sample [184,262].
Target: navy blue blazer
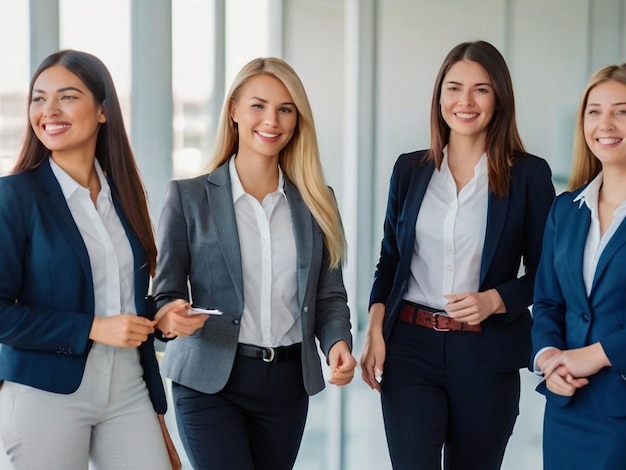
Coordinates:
[566,318]
[514,232]
[46,289]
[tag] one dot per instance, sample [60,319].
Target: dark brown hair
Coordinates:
[503,143]
[113,149]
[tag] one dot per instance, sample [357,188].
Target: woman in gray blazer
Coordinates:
[259,238]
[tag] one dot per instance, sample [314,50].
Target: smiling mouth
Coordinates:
[608,140]
[55,127]
[466,115]
[267,135]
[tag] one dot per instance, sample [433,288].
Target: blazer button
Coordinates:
[586,317]
[236,321]
[306,309]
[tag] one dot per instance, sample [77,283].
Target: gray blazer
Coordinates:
[199,256]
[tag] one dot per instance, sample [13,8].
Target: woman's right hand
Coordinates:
[174,320]
[374,349]
[124,330]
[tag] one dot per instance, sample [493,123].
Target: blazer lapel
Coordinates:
[303,234]
[497,208]
[222,210]
[54,198]
[574,239]
[420,177]
[616,242]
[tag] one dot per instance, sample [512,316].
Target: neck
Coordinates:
[259,176]
[465,152]
[613,189]
[82,169]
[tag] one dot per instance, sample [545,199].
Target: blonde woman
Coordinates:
[259,238]
[579,339]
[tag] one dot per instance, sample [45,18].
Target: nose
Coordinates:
[271,117]
[50,108]
[467,98]
[606,121]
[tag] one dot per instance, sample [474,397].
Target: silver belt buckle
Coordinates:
[271,355]
[436,321]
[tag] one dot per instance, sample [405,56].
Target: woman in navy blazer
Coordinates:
[80,380]
[579,334]
[449,321]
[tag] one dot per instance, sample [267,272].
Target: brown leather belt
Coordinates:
[414,314]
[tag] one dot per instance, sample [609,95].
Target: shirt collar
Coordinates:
[237,187]
[589,195]
[69,185]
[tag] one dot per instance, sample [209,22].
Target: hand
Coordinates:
[124,330]
[579,362]
[561,382]
[174,320]
[474,307]
[374,350]
[342,364]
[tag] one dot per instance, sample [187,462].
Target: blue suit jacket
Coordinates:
[514,231]
[199,243]
[565,317]
[46,289]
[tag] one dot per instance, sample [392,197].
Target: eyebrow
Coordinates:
[475,84]
[619,103]
[266,101]
[60,90]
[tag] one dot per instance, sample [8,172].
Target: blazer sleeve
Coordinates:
[386,268]
[174,258]
[29,318]
[538,193]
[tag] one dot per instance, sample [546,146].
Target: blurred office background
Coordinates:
[368,67]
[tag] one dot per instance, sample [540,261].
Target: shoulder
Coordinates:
[19,183]
[527,162]
[411,159]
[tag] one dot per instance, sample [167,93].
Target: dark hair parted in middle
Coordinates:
[503,143]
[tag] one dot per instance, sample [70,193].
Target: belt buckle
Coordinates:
[436,321]
[268,354]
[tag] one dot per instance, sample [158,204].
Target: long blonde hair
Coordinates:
[299,159]
[585,165]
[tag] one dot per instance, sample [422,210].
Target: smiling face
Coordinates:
[604,123]
[64,114]
[266,117]
[467,100]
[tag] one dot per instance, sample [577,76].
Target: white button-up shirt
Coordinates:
[449,237]
[110,253]
[271,315]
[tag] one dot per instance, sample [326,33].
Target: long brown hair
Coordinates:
[585,165]
[113,149]
[503,142]
[299,159]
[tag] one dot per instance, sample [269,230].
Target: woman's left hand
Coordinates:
[342,364]
[474,307]
[174,320]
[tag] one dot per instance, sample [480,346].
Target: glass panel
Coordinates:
[14,50]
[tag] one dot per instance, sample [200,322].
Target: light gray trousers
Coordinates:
[107,424]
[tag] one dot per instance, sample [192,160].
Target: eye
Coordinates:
[68,97]
[256,106]
[286,110]
[452,88]
[592,112]
[37,99]
[483,90]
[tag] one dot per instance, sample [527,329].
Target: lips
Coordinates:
[608,140]
[55,128]
[466,115]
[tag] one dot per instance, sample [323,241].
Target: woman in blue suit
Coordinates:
[79,376]
[579,334]
[449,324]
